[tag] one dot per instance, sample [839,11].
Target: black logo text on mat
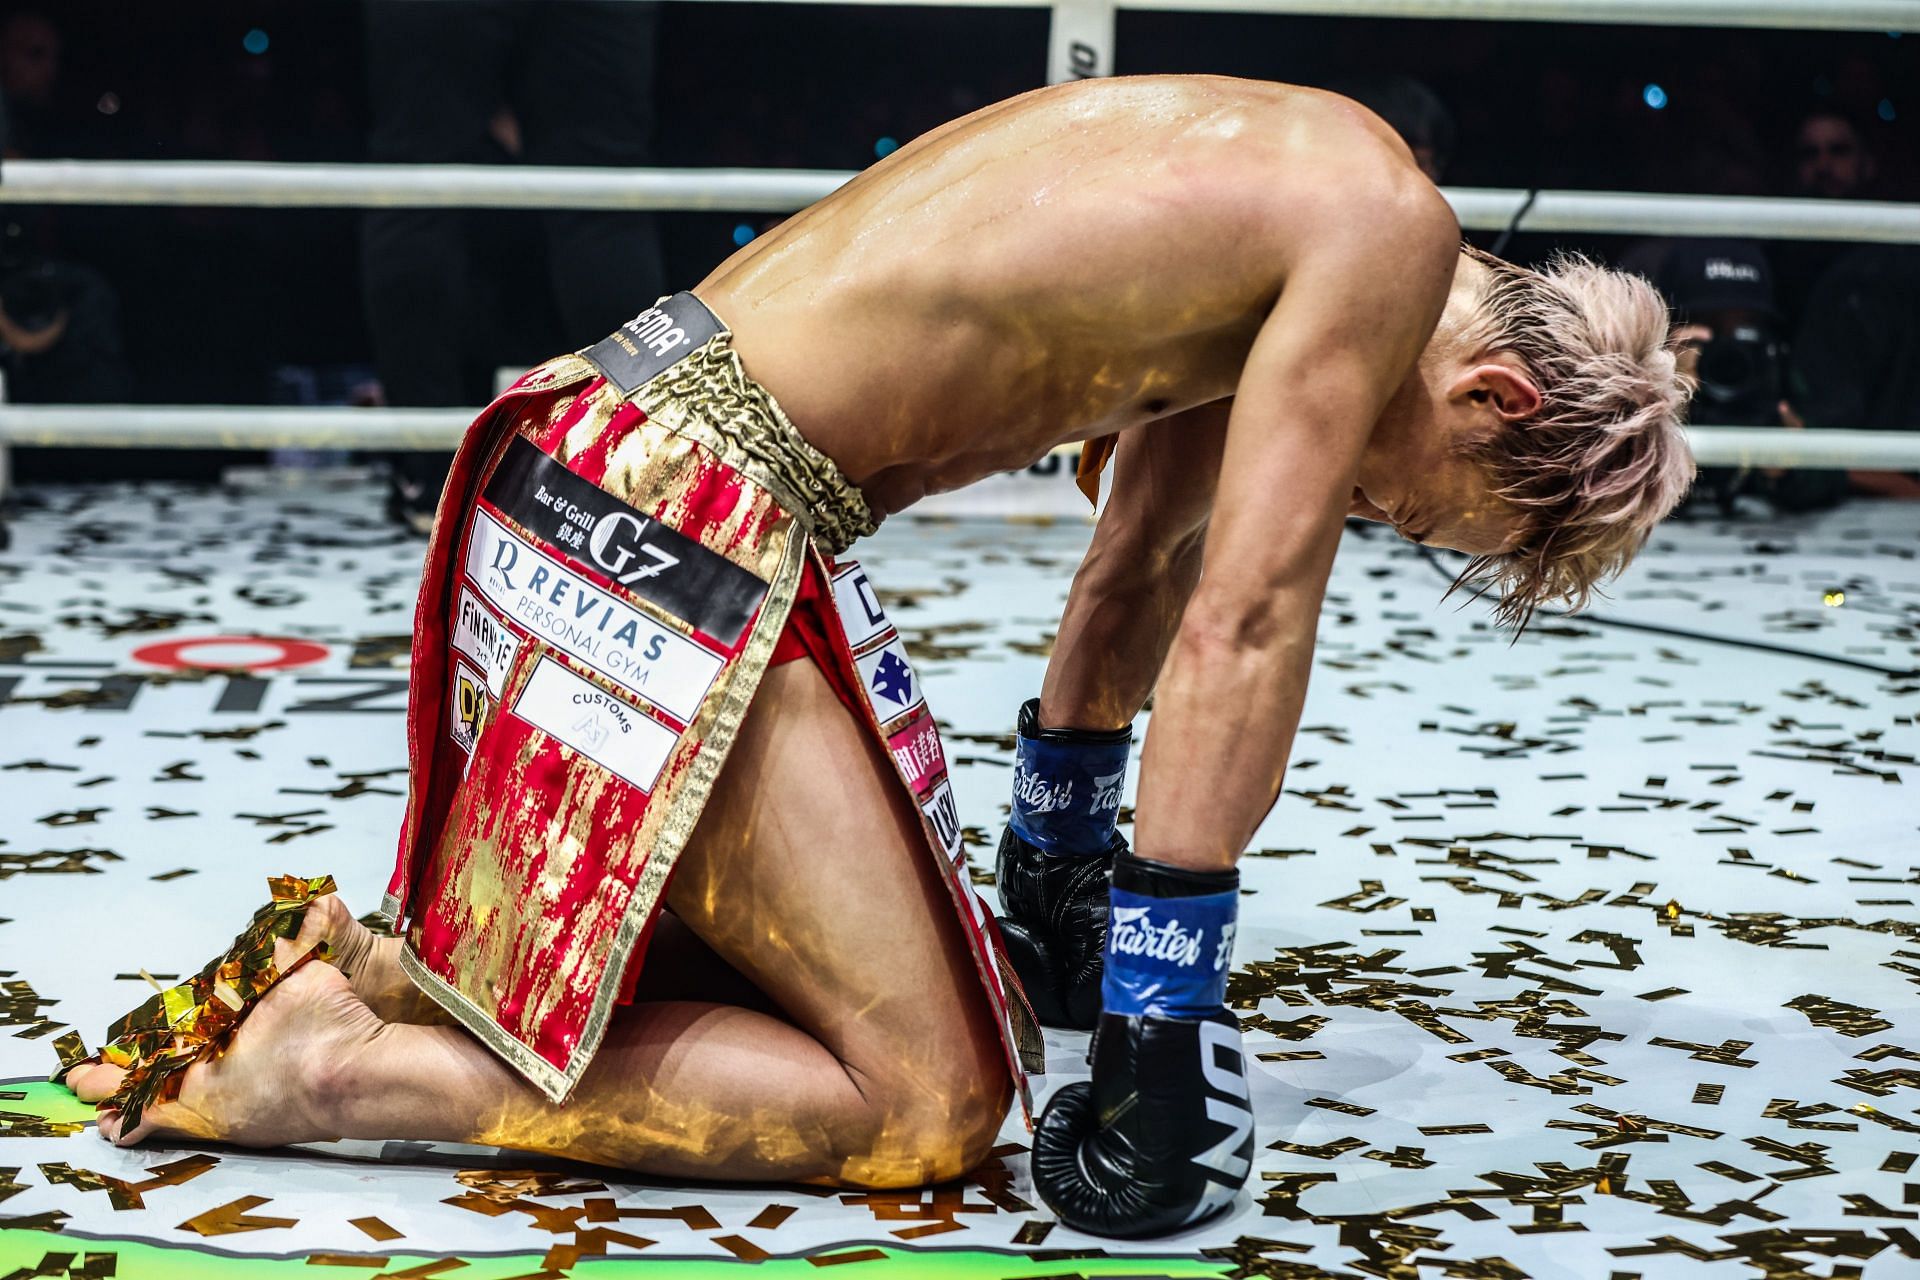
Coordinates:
[653,340]
[659,564]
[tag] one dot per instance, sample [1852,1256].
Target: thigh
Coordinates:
[810,874]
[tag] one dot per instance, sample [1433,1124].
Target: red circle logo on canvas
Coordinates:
[226,653]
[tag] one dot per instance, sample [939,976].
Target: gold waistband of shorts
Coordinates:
[710,399]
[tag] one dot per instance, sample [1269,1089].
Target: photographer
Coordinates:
[1721,292]
[59,329]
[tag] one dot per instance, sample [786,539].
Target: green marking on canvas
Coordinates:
[45,1101]
[142,1261]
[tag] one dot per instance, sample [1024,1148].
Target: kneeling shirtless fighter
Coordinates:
[1250,287]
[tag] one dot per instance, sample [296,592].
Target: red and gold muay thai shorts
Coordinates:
[629,538]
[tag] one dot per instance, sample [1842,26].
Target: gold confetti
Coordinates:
[1847,1019]
[742,1248]
[368,1261]
[772,1216]
[375,1229]
[232,1218]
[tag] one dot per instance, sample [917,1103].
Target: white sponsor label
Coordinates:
[587,621]
[480,635]
[944,814]
[1135,934]
[614,734]
[859,607]
[467,707]
[892,687]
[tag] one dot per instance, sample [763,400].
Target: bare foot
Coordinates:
[275,1084]
[370,961]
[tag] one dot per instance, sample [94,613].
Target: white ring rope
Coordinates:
[1827,15]
[275,185]
[420,186]
[280,426]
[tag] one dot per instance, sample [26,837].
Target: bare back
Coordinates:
[1069,263]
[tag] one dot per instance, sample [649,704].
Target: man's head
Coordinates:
[29,57]
[1830,157]
[1541,433]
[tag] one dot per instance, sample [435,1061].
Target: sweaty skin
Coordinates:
[1108,256]
[1066,264]
[1243,281]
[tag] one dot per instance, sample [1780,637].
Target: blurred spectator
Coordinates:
[565,82]
[59,321]
[1856,359]
[1416,113]
[1827,158]
[1831,159]
[30,51]
[1725,313]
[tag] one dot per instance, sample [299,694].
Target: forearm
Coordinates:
[1223,725]
[1121,617]
[1885,484]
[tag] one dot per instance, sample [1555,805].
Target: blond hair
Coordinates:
[1604,459]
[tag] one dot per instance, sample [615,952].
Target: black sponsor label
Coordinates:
[652,341]
[658,564]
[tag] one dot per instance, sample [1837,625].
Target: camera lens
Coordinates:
[1729,368]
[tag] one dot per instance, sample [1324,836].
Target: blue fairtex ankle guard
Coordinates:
[1169,940]
[1066,785]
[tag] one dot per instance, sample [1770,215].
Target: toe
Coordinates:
[94,1081]
[160,1119]
[125,1137]
[319,923]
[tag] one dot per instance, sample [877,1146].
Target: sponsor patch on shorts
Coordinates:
[659,564]
[892,687]
[917,754]
[653,341]
[613,733]
[588,621]
[861,616]
[484,638]
[944,814]
[467,707]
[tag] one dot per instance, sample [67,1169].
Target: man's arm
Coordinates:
[1162,1136]
[1129,592]
[1071,748]
[1347,330]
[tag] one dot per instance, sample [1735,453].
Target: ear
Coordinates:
[1506,390]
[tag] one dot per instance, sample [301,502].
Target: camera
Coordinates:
[1742,378]
[33,289]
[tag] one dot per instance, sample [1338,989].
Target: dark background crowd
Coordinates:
[419,307]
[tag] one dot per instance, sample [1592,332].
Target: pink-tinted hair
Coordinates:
[1605,458]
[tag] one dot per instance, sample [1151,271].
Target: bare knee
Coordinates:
[932,1128]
